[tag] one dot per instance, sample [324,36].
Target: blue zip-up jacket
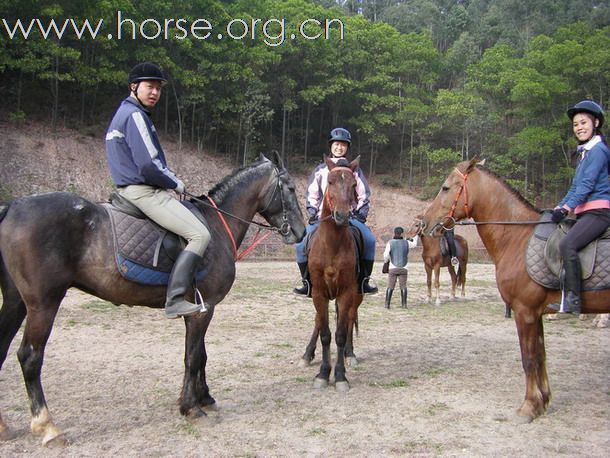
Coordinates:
[135,155]
[590,187]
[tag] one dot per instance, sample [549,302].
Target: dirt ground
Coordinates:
[431,380]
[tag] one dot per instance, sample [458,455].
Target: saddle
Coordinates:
[144,251]
[543,260]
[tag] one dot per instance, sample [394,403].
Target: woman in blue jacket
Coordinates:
[588,198]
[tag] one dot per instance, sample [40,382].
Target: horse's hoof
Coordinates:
[437,303]
[351,361]
[304,362]
[520,419]
[210,407]
[319,383]
[53,441]
[5,434]
[195,413]
[342,387]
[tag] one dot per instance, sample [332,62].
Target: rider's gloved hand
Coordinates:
[360,217]
[558,215]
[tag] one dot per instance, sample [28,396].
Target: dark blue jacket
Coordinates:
[135,155]
[590,187]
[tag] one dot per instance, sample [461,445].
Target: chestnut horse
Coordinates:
[332,264]
[51,242]
[501,213]
[434,260]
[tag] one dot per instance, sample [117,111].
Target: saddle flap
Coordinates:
[553,257]
[124,205]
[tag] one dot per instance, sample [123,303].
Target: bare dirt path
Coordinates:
[432,381]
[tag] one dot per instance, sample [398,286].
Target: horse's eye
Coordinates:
[444,188]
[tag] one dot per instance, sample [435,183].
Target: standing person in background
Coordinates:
[397,253]
[588,198]
[139,170]
[339,143]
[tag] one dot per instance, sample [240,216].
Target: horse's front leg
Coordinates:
[350,356]
[321,303]
[533,358]
[195,392]
[429,282]
[341,382]
[437,284]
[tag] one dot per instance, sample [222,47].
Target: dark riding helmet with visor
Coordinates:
[146,71]
[590,107]
[339,134]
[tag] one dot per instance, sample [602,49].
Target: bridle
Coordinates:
[283,230]
[449,221]
[333,213]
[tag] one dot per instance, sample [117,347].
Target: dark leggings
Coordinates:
[589,225]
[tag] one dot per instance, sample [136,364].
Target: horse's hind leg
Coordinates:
[31,354]
[12,314]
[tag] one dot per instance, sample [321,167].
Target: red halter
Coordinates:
[464,189]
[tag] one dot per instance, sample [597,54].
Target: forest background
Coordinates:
[421,84]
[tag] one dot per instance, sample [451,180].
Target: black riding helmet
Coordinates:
[588,106]
[146,71]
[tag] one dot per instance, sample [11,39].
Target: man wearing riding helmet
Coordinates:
[339,143]
[139,170]
[588,198]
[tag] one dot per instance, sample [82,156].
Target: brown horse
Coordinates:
[332,264]
[52,242]
[471,191]
[434,260]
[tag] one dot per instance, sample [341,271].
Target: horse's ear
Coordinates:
[262,157]
[473,163]
[355,164]
[330,164]
[277,159]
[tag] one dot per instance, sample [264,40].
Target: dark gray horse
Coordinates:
[52,242]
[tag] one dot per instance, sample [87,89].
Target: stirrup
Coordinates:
[455,261]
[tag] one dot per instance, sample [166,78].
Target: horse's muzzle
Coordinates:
[340,218]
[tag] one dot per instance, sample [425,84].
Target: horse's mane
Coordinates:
[219,192]
[508,187]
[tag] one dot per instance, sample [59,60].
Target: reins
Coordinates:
[283,230]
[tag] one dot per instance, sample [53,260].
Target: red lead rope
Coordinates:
[257,240]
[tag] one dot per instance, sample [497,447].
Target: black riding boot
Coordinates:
[571,287]
[367,270]
[403,298]
[388,297]
[180,280]
[304,290]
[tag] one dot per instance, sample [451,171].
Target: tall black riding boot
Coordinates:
[180,280]
[571,287]
[367,270]
[304,290]
[388,297]
[403,298]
